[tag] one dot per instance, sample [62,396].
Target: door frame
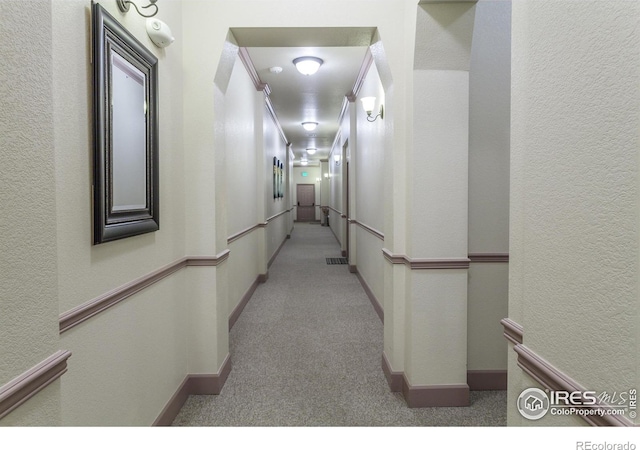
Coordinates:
[313,204]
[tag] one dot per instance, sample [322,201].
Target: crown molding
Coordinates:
[364,70]
[260,85]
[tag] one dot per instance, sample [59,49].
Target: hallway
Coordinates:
[306,351]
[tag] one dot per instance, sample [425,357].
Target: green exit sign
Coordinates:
[305,174]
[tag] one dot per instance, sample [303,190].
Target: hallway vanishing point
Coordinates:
[306,351]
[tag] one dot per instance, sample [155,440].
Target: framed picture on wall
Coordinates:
[281,178]
[275,177]
[125,175]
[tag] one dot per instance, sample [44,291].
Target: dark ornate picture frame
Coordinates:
[125,178]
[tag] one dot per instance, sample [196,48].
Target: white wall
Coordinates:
[437,196]
[242,102]
[279,227]
[369,172]
[325,191]
[146,335]
[574,192]
[28,266]
[335,190]
[489,121]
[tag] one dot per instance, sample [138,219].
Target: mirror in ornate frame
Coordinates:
[125,181]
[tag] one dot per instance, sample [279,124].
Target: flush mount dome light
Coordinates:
[311,151]
[307,65]
[309,126]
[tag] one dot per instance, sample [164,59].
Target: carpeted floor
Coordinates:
[307,350]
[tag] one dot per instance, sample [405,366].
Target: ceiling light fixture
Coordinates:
[307,65]
[304,162]
[125,4]
[311,151]
[309,126]
[368,103]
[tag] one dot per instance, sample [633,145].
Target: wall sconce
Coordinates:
[158,31]
[124,7]
[368,103]
[307,65]
[336,159]
[326,175]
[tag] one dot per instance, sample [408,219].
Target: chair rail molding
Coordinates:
[85,311]
[28,384]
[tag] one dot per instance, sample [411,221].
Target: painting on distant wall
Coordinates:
[275,177]
[278,178]
[281,188]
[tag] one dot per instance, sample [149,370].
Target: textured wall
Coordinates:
[242,101]
[130,359]
[488,291]
[489,121]
[439,165]
[436,313]
[443,34]
[28,266]
[280,227]
[336,182]
[369,184]
[109,265]
[574,215]
[370,176]
[252,141]
[437,185]
[274,146]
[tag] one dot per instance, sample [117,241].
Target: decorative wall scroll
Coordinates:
[126,132]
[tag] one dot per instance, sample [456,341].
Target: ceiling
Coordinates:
[298,98]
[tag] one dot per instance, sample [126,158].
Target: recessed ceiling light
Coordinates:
[309,126]
[311,151]
[275,69]
[307,65]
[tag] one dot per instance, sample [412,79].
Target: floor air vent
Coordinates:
[337,261]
